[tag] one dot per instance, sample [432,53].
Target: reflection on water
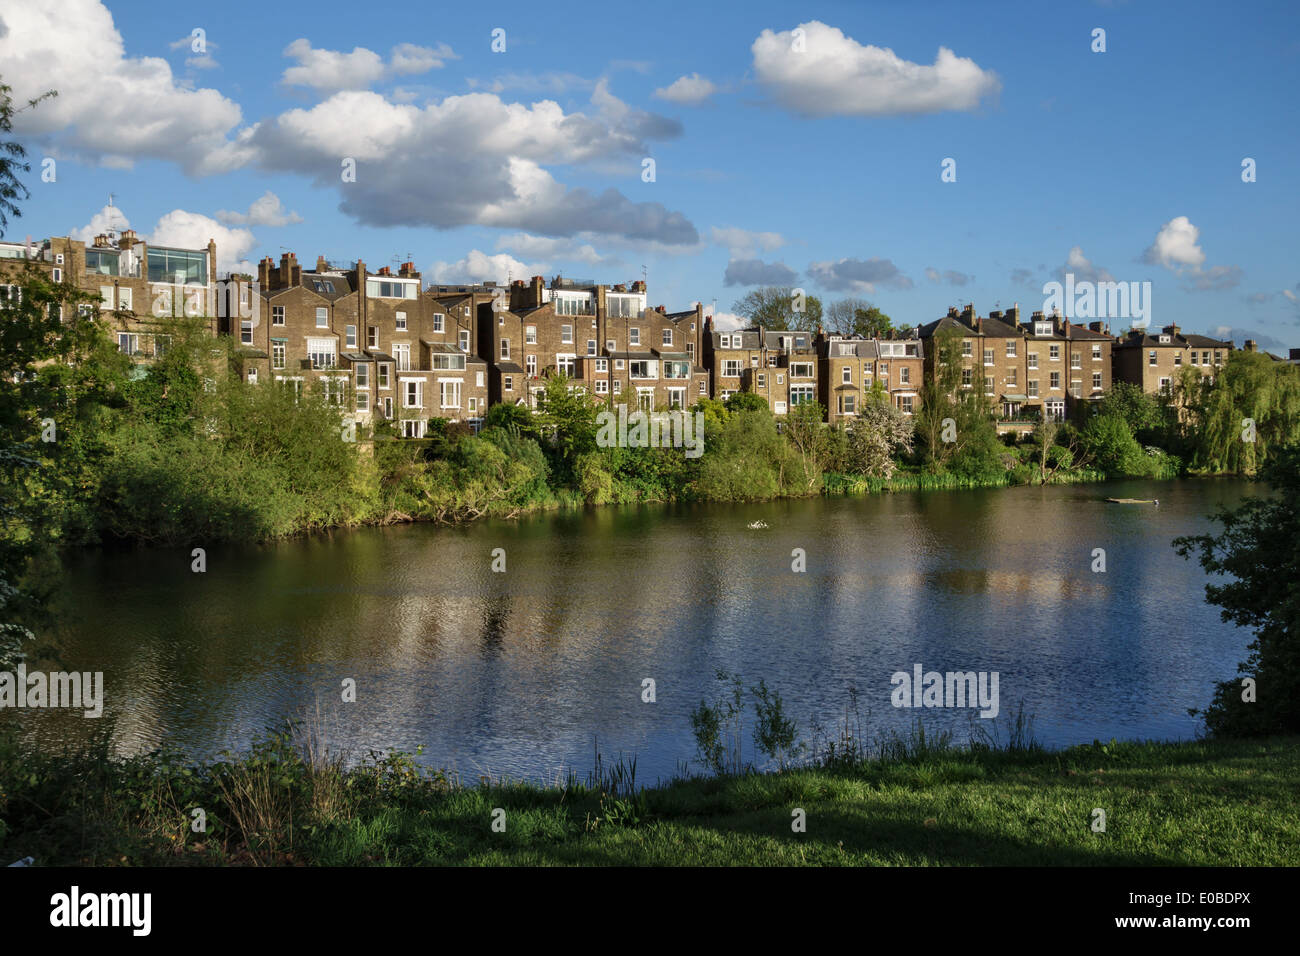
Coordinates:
[517,673]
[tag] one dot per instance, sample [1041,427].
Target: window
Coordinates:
[351,336]
[702,383]
[1075,387]
[965,378]
[450,394]
[246,331]
[574,305]
[1165,384]
[602,365]
[566,335]
[413,428]
[1033,360]
[1054,353]
[609,345]
[1054,380]
[731,368]
[1096,353]
[846,375]
[641,369]
[335,390]
[403,355]
[323,285]
[634,336]
[1178,359]
[602,387]
[464,340]
[753,361]
[1032,391]
[505,349]
[966,348]
[387,404]
[400,319]
[762,380]
[412,393]
[392,289]
[444,362]
[439,321]
[372,336]
[277,315]
[690,351]
[1076,360]
[591,346]
[905,403]
[363,401]
[988,384]
[124,299]
[618,386]
[848,404]
[780,380]
[530,365]
[508,383]
[566,364]
[382,370]
[362,371]
[1011,348]
[677,369]
[277,353]
[622,306]
[676,398]
[1096,381]
[478,379]
[322,317]
[1218,357]
[801,370]
[56,275]
[905,375]
[530,335]
[321,353]
[1151,357]
[177,265]
[799,394]
[1194,358]
[473,405]
[128,342]
[668,337]
[724,341]
[618,364]
[988,356]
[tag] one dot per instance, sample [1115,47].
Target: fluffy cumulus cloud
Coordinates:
[112,109]
[549,250]
[481,267]
[1082,268]
[331,70]
[950,276]
[473,160]
[265,211]
[742,243]
[728,321]
[816,70]
[689,90]
[758,272]
[192,230]
[858,275]
[1177,248]
[108,218]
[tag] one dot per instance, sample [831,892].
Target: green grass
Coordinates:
[1228,802]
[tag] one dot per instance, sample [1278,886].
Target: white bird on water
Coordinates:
[758,524]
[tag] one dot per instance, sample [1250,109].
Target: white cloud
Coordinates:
[1078,265]
[192,230]
[728,322]
[1177,248]
[108,218]
[473,159]
[480,267]
[742,243]
[332,70]
[548,250]
[265,211]
[112,109]
[1176,245]
[688,90]
[758,272]
[836,75]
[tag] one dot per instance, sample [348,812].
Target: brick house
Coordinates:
[1153,362]
[1065,363]
[850,368]
[781,366]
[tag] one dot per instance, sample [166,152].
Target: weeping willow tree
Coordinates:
[1249,412]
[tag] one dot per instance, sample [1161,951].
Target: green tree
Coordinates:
[13,156]
[747,401]
[1235,423]
[566,418]
[875,437]
[776,309]
[1257,552]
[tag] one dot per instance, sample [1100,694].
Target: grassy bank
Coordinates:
[1230,802]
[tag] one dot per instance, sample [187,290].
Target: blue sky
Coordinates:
[820,165]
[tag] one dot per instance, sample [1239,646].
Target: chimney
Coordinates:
[661,310]
[536,286]
[101,241]
[638,285]
[1096,327]
[1249,345]
[321,264]
[384,271]
[1171,330]
[128,239]
[407,270]
[995,314]
[264,272]
[1013,315]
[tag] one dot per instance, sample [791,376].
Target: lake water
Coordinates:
[518,673]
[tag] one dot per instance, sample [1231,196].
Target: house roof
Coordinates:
[511,368]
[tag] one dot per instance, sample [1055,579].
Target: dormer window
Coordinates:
[1042,328]
[1165,340]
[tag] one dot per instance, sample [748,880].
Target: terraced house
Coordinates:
[852,368]
[374,342]
[138,284]
[1064,363]
[780,366]
[1153,362]
[604,338]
